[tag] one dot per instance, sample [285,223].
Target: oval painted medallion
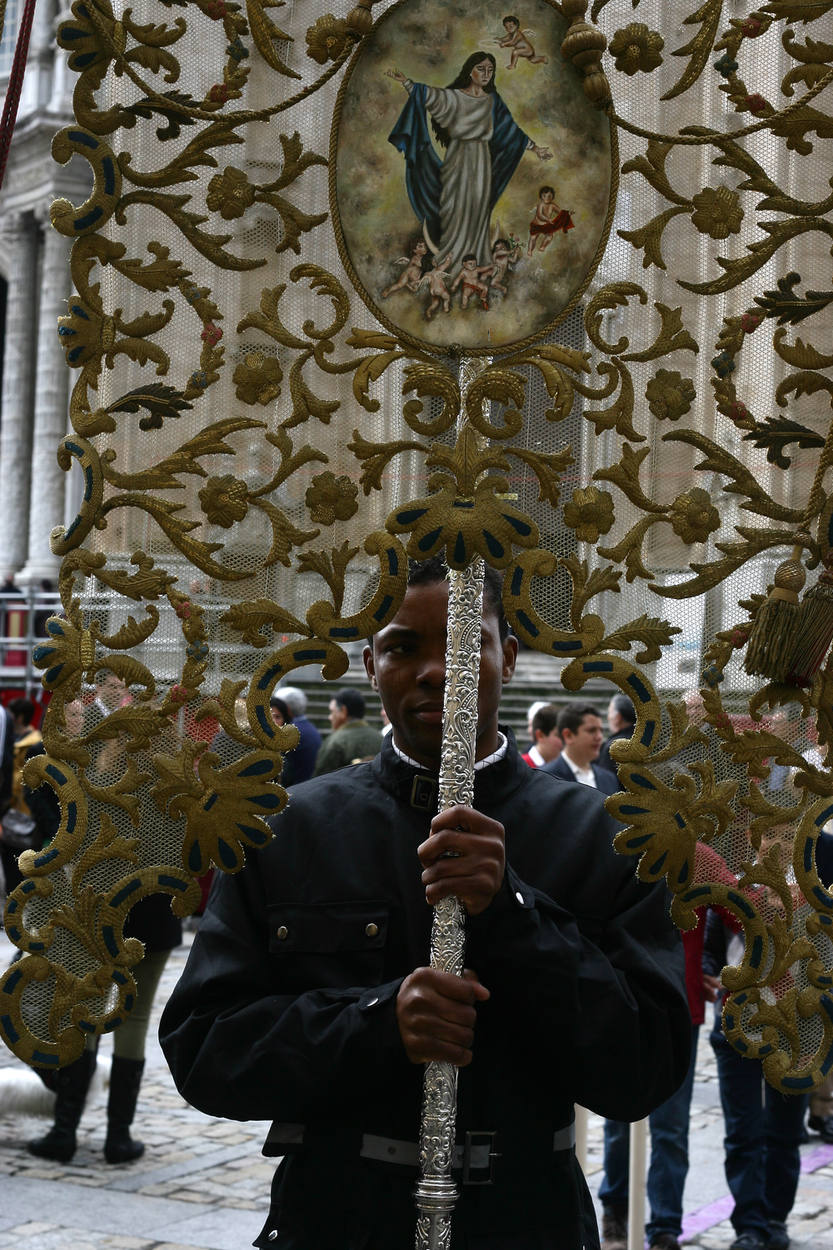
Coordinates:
[470,176]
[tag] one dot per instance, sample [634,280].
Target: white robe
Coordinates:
[466,173]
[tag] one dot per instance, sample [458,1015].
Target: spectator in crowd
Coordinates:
[300,761]
[110,694]
[668,1166]
[279,709]
[305,998]
[621,718]
[580,729]
[546,740]
[29,818]
[763,1127]
[153,923]
[352,738]
[821,1098]
[6,757]
[281,715]
[821,1110]
[46,591]
[10,591]
[530,712]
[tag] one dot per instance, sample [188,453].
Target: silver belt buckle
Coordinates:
[482,1143]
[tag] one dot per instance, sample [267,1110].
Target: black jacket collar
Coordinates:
[418,787]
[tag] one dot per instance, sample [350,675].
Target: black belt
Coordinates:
[475,1156]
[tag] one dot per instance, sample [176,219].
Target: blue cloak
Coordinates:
[411,137]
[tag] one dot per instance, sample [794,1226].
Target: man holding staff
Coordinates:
[306,1000]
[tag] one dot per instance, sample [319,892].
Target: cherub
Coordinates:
[547,221]
[471,276]
[517,40]
[436,280]
[504,253]
[411,275]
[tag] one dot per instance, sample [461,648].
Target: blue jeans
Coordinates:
[763,1131]
[669,1158]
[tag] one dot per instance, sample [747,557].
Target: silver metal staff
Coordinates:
[436,1192]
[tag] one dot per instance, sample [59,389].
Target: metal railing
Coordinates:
[22,620]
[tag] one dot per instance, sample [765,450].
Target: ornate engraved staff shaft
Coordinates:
[436,1192]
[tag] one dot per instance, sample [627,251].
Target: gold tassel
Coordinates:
[772,640]
[814,631]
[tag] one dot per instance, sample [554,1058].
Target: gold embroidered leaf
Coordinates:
[698,47]
[650,630]
[672,337]
[332,566]
[249,619]
[548,468]
[619,416]
[376,457]
[625,475]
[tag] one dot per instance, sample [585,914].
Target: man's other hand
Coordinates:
[436,1015]
[465,856]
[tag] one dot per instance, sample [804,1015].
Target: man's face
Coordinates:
[613,717]
[110,690]
[407,660]
[338,714]
[548,744]
[584,745]
[74,718]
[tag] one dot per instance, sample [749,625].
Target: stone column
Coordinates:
[19,242]
[37,82]
[46,505]
[62,79]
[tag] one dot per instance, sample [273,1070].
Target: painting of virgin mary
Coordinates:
[453,198]
[437,159]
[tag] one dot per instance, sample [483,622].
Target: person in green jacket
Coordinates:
[352,739]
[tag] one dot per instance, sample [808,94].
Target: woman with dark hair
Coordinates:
[454,198]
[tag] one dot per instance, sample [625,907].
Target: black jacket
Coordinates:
[604,760]
[286,1009]
[606,781]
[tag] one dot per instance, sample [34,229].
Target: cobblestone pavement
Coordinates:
[202,1184]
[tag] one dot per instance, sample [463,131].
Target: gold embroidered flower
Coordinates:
[330,498]
[589,513]
[225,809]
[230,192]
[693,516]
[81,333]
[669,395]
[635,48]
[224,500]
[463,526]
[717,212]
[327,39]
[664,822]
[258,379]
[64,653]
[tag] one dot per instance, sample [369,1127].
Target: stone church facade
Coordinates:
[35,493]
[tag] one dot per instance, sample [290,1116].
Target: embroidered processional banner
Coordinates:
[550,289]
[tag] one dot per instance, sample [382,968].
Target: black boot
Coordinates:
[125,1079]
[71,1085]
